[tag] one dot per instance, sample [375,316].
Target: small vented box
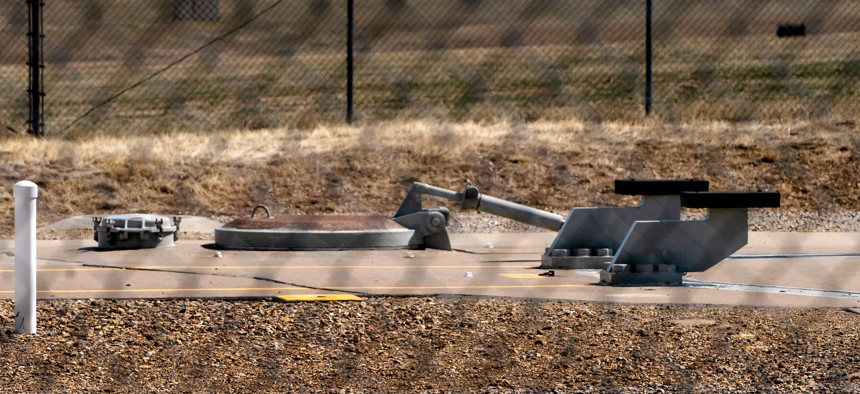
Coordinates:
[135,231]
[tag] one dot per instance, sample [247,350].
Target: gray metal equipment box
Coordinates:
[135,231]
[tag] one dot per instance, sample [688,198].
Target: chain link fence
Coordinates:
[155,66]
[13,63]
[776,60]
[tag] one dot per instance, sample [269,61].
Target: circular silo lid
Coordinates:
[313,232]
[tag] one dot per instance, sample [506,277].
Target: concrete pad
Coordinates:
[503,243]
[73,269]
[837,273]
[77,282]
[72,223]
[801,242]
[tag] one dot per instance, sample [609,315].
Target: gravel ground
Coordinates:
[437,344]
[830,221]
[431,344]
[759,220]
[428,344]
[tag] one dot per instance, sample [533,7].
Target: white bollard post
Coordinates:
[25,193]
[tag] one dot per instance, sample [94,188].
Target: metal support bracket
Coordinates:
[658,252]
[590,236]
[430,227]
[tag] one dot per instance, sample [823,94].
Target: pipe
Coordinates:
[26,193]
[36,91]
[423,188]
[471,198]
[519,212]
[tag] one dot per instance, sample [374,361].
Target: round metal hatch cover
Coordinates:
[313,232]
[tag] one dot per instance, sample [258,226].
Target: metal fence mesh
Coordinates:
[13,63]
[155,66]
[201,65]
[727,61]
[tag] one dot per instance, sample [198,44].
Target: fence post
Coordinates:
[649,55]
[350,37]
[25,193]
[36,92]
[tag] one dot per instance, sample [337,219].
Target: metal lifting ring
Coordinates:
[268,215]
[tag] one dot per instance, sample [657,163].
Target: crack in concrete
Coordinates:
[178,271]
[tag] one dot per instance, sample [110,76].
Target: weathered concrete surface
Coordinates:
[500,265]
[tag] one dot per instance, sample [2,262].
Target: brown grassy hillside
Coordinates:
[550,165]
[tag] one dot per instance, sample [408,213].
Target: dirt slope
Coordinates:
[554,166]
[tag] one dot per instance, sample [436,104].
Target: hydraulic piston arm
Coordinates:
[470,198]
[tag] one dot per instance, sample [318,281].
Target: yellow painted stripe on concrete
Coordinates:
[318,297]
[131,290]
[313,267]
[66,269]
[272,267]
[341,288]
[357,288]
[524,276]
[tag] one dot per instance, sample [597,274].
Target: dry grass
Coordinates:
[550,165]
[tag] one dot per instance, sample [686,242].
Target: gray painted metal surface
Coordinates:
[471,198]
[313,232]
[430,228]
[656,251]
[690,245]
[430,224]
[518,212]
[135,231]
[601,229]
[228,238]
